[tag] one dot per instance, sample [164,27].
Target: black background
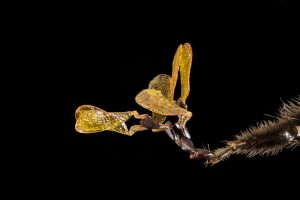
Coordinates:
[245,63]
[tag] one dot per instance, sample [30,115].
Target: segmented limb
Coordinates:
[268,138]
[183,139]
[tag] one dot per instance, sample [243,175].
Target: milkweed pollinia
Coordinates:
[268,138]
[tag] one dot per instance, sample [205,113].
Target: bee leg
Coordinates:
[149,123]
[146,123]
[182,138]
[187,145]
[168,128]
[199,154]
[179,136]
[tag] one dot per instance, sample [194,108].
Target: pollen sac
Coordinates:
[161,82]
[185,69]
[156,102]
[91,119]
[182,63]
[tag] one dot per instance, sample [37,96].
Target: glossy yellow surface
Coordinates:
[159,99]
[175,70]
[162,83]
[185,64]
[155,101]
[91,119]
[182,63]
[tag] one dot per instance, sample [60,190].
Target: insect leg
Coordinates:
[182,138]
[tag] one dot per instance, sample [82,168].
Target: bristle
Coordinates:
[291,110]
[219,155]
[268,137]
